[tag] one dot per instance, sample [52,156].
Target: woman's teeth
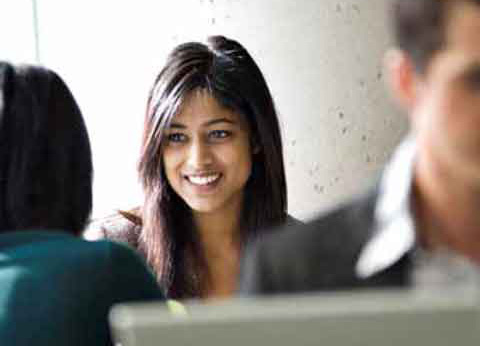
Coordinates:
[203,180]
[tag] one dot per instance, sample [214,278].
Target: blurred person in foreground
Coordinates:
[420,226]
[56,289]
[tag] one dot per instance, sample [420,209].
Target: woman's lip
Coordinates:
[204,187]
[201,174]
[202,177]
[203,180]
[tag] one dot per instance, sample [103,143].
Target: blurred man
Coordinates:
[421,224]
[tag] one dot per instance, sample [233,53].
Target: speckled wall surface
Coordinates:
[321,58]
[323,61]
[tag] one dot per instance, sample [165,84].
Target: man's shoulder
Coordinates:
[319,255]
[291,221]
[340,227]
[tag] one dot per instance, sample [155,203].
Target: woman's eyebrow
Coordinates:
[177,126]
[219,120]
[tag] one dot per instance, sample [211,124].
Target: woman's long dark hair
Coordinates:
[45,159]
[227,72]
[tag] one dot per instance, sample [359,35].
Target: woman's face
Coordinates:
[207,154]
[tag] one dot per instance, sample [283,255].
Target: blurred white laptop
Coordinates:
[369,318]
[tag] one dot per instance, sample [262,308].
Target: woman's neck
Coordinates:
[220,234]
[218,228]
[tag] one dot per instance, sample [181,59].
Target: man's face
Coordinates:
[446,110]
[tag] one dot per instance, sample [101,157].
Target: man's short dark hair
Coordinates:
[419,27]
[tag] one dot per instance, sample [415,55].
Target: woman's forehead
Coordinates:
[201,107]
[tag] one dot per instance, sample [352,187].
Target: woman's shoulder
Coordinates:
[121,226]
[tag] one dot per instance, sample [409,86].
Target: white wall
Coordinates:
[322,60]
[17,35]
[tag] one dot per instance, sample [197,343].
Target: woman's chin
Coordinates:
[203,206]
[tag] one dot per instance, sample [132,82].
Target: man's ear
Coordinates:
[401,77]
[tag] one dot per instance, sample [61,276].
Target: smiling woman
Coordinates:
[211,167]
[207,156]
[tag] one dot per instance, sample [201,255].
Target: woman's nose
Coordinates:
[199,154]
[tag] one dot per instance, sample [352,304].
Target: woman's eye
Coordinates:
[176,138]
[473,81]
[219,134]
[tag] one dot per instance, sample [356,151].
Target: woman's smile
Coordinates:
[204,183]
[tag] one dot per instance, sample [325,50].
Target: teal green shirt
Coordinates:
[56,289]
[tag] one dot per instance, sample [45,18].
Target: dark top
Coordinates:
[319,256]
[57,289]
